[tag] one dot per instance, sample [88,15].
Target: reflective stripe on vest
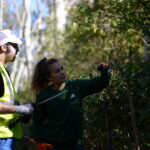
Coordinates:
[8,84]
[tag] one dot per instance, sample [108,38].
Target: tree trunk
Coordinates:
[133,119]
[146,55]
[1,14]
[27,34]
[132,109]
[108,131]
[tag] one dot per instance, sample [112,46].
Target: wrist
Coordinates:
[15,109]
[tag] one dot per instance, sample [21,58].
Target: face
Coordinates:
[12,50]
[57,73]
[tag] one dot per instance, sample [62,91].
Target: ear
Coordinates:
[3,48]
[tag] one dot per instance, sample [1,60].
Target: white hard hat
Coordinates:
[7,36]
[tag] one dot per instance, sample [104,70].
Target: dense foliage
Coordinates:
[111,31]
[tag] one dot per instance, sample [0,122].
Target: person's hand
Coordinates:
[24,109]
[103,67]
[44,146]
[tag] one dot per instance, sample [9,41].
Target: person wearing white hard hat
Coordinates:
[10,110]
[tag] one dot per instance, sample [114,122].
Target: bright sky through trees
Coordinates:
[33,6]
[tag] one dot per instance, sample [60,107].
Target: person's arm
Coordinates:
[21,109]
[6,109]
[90,86]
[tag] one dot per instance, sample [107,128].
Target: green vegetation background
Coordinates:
[108,31]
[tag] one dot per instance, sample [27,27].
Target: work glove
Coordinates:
[26,109]
[103,67]
[44,146]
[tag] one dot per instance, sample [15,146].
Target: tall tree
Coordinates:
[1,13]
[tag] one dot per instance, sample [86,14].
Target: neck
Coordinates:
[60,86]
[2,59]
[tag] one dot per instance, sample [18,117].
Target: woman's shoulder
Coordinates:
[44,93]
[75,82]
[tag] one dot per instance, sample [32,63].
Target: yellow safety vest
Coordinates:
[9,98]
